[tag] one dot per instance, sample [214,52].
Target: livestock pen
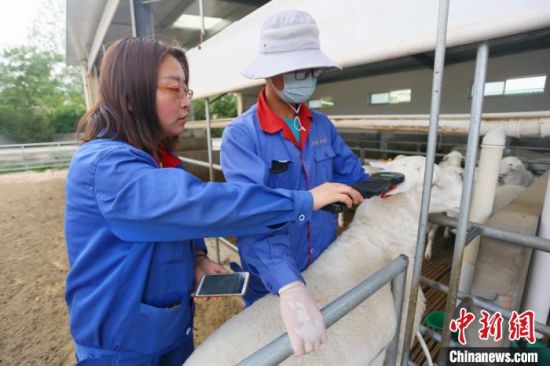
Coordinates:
[472,30]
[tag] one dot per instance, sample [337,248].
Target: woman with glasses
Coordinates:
[135,220]
[280,143]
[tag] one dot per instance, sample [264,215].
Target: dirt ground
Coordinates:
[33,264]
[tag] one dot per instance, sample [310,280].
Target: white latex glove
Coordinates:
[303,321]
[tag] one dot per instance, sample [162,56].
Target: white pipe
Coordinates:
[425,349]
[486,180]
[538,295]
[520,124]
[536,124]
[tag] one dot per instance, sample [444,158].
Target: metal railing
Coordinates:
[22,157]
[396,272]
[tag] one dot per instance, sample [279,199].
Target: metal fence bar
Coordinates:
[404,152]
[539,327]
[467,192]
[230,245]
[209,143]
[279,349]
[32,167]
[38,144]
[24,158]
[529,241]
[436,336]
[398,288]
[200,163]
[437,82]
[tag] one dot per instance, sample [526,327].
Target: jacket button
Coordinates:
[302,217]
[188,331]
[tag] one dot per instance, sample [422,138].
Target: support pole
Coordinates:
[466,199]
[143,23]
[208,124]
[203,28]
[439,65]
[399,283]
[210,159]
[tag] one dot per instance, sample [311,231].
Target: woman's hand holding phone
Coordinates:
[203,266]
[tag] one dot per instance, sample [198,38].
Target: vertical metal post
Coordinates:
[382,144]
[143,24]
[203,28]
[466,198]
[398,288]
[208,126]
[439,65]
[210,160]
[362,155]
[24,156]
[240,103]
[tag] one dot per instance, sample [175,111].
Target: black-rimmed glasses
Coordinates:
[304,74]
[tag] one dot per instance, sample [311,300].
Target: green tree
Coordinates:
[38,95]
[223,107]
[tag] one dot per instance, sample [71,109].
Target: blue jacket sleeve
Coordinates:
[268,254]
[346,166]
[199,244]
[143,203]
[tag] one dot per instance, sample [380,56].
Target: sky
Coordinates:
[15,19]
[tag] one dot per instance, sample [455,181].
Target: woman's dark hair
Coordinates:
[126,108]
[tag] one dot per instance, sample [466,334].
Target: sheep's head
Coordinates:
[454,158]
[510,164]
[446,184]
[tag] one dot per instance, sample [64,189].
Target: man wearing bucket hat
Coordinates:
[279,142]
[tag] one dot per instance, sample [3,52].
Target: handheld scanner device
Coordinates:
[376,185]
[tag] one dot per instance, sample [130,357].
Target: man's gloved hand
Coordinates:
[303,321]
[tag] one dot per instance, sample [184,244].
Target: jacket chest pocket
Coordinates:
[324,155]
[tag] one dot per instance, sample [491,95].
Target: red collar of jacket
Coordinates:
[271,123]
[167,160]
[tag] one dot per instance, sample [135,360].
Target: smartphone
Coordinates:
[223,284]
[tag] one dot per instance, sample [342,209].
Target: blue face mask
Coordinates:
[297,91]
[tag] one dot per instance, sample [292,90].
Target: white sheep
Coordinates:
[381,230]
[453,160]
[513,176]
[512,171]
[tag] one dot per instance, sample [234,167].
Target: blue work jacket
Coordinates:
[258,147]
[131,232]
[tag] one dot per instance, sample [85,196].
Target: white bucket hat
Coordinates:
[289,41]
